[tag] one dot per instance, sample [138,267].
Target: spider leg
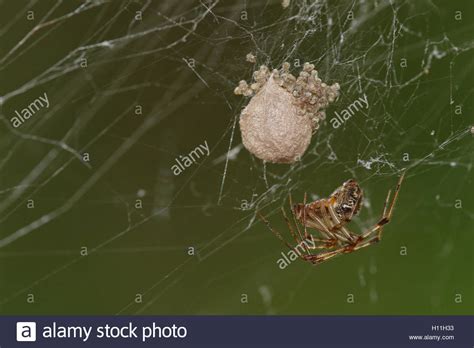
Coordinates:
[306,234]
[319,225]
[318,243]
[326,216]
[325,243]
[359,244]
[335,233]
[321,257]
[385,205]
[329,238]
[386,215]
[350,237]
[316,223]
[290,201]
[378,227]
[367,242]
[275,232]
[279,236]
[305,198]
[293,233]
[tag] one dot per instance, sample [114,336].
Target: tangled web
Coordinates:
[89,195]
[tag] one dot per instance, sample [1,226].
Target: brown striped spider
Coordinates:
[329,216]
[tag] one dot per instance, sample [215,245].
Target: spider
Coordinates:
[329,216]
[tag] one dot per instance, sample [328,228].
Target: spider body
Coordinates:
[329,216]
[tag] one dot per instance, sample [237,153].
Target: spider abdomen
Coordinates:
[319,214]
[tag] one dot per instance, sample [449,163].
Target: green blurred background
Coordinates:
[180,62]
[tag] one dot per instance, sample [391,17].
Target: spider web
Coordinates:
[94,221]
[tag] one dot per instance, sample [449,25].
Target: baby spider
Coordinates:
[329,216]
